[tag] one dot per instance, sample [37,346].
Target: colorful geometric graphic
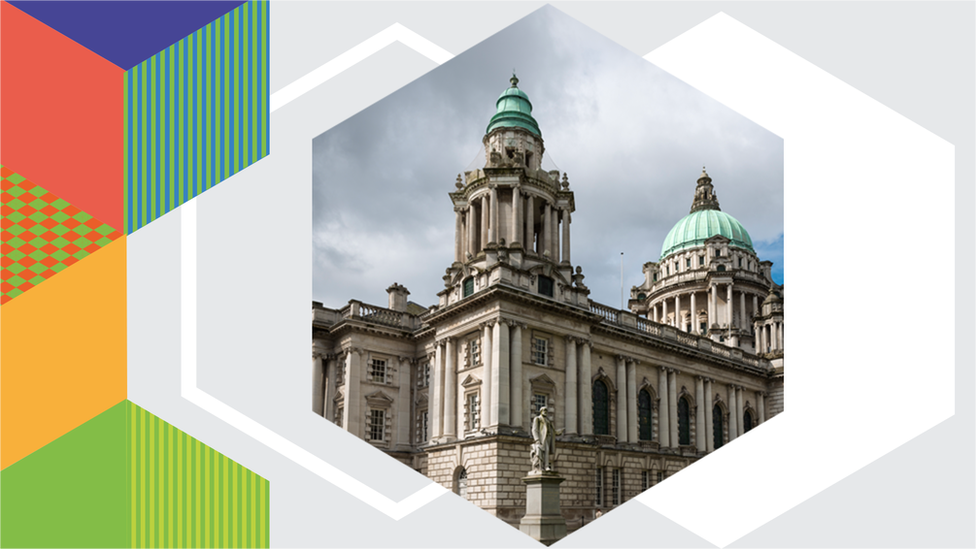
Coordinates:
[41,234]
[196,113]
[129,479]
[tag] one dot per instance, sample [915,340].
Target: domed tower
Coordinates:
[512,217]
[709,280]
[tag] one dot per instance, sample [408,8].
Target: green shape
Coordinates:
[82,242]
[82,230]
[12,294]
[59,230]
[58,267]
[60,242]
[16,230]
[38,229]
[37,203]
[37,268]
[15,191]
[16,242]
[81,217]
[16,268]
[38,242]
[16,204]
[15,178]
[37,255]
[37,279]
[60,217]
[61,204]
[38,191]
[14,281]
[60,255]
[513,110]
[104,230]
[37,217]
[16,255]
[81,254]
[104,241]
[16,217]
[71,492]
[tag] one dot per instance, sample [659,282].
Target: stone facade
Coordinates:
[450,390]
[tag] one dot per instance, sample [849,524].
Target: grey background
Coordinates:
[255,274]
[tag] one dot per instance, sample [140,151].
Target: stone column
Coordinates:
[566,221]
[694,315]
[663,409]
[586,390]
[500,372]
[621,399]
[677,313]
[738,410]
[516,216]
[436,400]
[352,420]
[712,306]
[782,346]
[471,234]
[733,417]
[404,378]
[755,305]
[489,414]
[484,221]
[761,405]
[571,389]
[728,302]
[709,404]
[494,231]
[554,214]
[633,421]
[664,311]
[673,405]
[450,390]
[319,383]
[516,365]
[544,241]
[700,428]
[744,321]
[654,312]
[530,224]
[330,369]
[457,234]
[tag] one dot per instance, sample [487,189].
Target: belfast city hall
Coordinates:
[635,395]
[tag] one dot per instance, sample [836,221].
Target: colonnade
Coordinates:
[687,301]
[481,222]
[770,336]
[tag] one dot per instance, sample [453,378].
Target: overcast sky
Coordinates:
[632,139]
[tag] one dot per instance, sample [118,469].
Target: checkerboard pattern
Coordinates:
[41,234]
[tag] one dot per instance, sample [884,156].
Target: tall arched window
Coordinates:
[718,426]
[644,415]
[746,421]
[601,408]
[462,483]
[684,423]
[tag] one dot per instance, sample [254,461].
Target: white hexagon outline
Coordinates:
[714,57]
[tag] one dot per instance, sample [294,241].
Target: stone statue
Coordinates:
[543,451]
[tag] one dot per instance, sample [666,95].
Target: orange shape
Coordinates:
[26,209]
[6,261]
[25,286]
[48,262]
[49,236]
[27,248]
[70,223]
[71,248]
[43,395]
[26,223]
[49,223]
[69,261]
[27,261]
[91,248]
[93,223]
[49,210]
[70,210]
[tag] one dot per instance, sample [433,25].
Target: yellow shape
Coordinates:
[63,353]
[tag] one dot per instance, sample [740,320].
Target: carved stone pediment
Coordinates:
[542,381]
[470,381]
[379,398]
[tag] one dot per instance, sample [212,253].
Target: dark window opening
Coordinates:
[747,421]
[721,268]
[684,423]
[545,286]
[601,408]
[644,415]
[718,426]
[468,286]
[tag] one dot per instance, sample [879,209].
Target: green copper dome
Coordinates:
[513,110]
[697,227]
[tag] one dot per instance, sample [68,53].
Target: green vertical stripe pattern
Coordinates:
[185,494]
[196,113]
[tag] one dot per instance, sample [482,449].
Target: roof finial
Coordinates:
[514,79]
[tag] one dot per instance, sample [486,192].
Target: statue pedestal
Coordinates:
[543,520]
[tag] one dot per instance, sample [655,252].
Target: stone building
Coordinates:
[639,394]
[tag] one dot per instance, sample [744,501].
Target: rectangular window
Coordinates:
[701,261]
[545,286]
[377,420]
[539,350]
[615,487]
[341,372]
[740,262]
[701,327]
[423,375]
[660,476]
[688,263]
[539,401]
[599,487]
[377,371]
[645,480]
[655,277]
[468,286]
[473,411]
[475,347]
